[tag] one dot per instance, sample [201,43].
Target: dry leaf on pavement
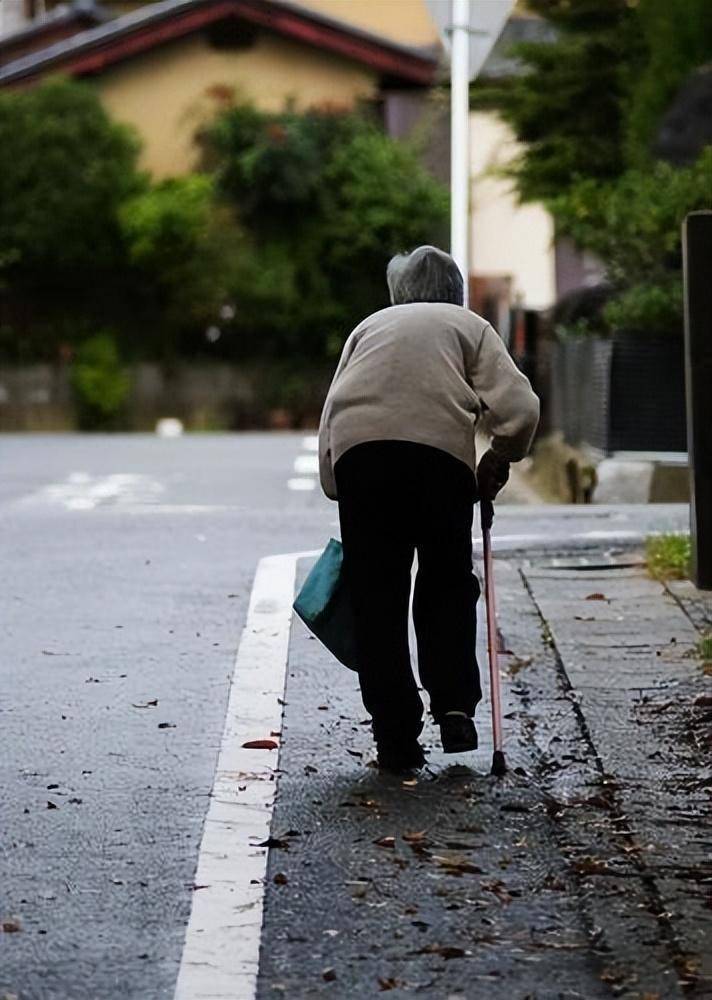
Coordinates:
[444,950]
[456,865]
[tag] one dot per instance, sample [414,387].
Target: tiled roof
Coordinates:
[99,47]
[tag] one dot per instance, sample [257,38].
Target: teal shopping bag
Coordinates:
[323,605]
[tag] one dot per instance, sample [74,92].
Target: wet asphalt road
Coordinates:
[128,564]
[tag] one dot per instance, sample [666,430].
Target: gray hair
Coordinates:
[425,275]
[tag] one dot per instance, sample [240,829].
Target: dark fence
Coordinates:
[622,394]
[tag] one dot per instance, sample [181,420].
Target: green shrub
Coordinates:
[100,383]
[668,556]
[634,226]
[704,647]
[184,251]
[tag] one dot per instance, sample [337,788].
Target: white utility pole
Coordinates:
[469,29]
[459,137]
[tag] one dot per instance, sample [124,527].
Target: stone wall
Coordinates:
[203,396]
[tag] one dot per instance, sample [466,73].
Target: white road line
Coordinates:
[310,443]
[301,483]
[222,943]
[306,465]
[81,491]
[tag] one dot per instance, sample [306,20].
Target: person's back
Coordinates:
[406,380]
[425,372]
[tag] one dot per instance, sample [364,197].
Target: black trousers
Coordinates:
[396,498]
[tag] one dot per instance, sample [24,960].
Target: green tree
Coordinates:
[677,37]
[326,198]
[65,169]
[567,106]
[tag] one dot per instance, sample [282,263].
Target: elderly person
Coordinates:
[397,450]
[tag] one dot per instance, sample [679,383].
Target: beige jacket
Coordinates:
[427,372]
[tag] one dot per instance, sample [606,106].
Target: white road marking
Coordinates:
[306,464]
[310,443]
[81,491]
[301,483]
[222,942]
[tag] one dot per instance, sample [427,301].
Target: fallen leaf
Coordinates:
[146,704]
[274,842]
[552,882]
[323,708]
[385,842]
[328,975]
[590,866]
[409,782]
[260,745]
[517,663]
[584,618]
[498,889]
[415,838]
[280,879]
[388,983]
[456,865]
[354,753]
[309,769]
[596,597]
[444,950]
[51,805]
[703,701]
[612,976]
[11,926]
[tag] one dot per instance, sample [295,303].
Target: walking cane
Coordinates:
[499,765]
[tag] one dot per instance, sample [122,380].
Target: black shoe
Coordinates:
[457,733]
[401,757]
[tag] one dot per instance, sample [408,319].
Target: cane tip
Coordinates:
[499,764]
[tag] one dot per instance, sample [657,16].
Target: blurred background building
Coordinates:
[246,215]
[161,66]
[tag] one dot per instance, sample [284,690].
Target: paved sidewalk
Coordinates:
[583,874]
